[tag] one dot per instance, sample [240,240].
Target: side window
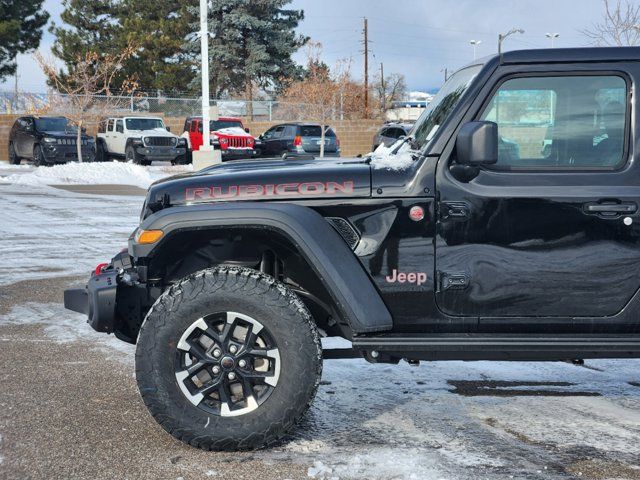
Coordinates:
[119,126]
[110,125]
[268,135]
[560,121]
[102,126]
[278,131]
[28,124]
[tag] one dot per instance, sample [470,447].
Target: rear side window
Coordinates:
[110,125]
[102,126]
[560,121]
[315,131]
[119,126]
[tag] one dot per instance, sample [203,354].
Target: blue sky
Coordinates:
[416,38]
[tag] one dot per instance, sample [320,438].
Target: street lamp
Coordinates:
[503,36]
[475,44]
[552,36]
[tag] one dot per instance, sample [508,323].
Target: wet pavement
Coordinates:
[69,406]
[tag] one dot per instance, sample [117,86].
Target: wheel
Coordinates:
[101,154]
[228,359]
[38,156]
[14,159]
[130,155]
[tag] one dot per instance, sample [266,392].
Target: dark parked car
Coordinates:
[292,139]
[390,133]
[46,141]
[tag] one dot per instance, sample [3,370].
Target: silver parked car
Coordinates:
[390,133]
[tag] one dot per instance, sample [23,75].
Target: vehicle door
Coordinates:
[27,136]
[119,138]
[110,134]
[551,229]
[271,140]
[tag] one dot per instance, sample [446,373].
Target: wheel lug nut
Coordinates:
[232,376]
[216,370]
[242,363]
[233,349]
[217,352]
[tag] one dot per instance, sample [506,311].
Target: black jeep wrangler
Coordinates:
[503,227]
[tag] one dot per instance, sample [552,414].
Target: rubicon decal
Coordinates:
[269,190]
[412,277]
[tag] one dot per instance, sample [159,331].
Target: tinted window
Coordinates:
[119,127]
[220,124]
[143,123]
[52,124]
[315,131]
[110,125]
[563,121]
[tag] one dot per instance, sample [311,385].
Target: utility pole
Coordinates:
[15,92]
[366,67]
[383,90]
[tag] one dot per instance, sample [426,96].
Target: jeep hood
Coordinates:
[273,180]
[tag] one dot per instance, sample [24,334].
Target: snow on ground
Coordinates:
[383,159]
[47,232]
[91,173]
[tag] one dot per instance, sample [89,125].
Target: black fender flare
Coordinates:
[353,292]
[133,141]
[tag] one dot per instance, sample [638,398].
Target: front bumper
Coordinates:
[160,153]
[67,153]
[97,300]
[114,299]
[237,153]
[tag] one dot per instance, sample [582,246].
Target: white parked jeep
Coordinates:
[138,139]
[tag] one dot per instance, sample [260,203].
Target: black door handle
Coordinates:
[611,208]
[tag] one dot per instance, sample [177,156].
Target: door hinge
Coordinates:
[451,281]
[455,211]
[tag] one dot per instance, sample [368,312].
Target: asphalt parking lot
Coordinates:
[69,406]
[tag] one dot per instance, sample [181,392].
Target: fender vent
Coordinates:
[346,230]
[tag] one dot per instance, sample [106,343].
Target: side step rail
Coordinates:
[499,347]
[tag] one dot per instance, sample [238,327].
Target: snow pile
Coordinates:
[382,158]
[96,173]
[236,131]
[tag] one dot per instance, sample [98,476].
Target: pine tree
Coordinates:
[21,23]
[251,45]
[89,26]
[159,30]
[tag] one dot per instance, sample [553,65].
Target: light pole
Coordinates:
[552,36]
[502,37]
[204,53]
[474,44]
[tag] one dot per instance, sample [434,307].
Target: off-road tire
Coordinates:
[38,157]
[247,292]
[131,155]
[14,159]
[101,153]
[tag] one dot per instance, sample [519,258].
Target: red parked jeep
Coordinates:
[227,134]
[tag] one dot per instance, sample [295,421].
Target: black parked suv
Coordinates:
[504,228]
[294,139]
[47,141]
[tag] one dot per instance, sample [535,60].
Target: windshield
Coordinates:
[53,125]
[220,124]
[442,105]
[144,123]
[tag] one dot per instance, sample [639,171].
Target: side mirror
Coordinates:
[247,130]
[168,129]
[477,144]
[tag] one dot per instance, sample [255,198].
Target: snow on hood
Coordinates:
[382,158]
[96,174]
[235,131]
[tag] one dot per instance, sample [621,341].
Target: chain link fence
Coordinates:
[258,110]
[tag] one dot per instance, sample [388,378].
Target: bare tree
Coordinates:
[390,89]
[87,95]
[620,25]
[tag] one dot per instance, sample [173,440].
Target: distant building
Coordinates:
[409,109]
